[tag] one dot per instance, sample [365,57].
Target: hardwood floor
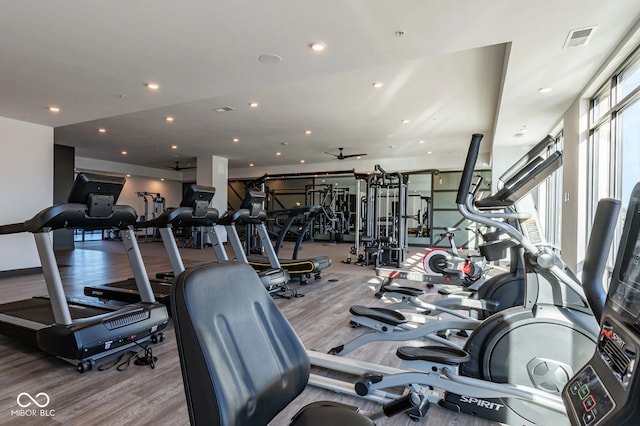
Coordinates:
[142,395]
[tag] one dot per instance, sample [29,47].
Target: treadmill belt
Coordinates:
[293,266]
[127,291]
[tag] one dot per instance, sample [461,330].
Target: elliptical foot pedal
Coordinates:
[438,354]
[404,290]
[387,316]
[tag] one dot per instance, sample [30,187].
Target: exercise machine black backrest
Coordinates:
[607,390]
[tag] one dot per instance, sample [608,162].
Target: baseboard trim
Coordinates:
[20,272]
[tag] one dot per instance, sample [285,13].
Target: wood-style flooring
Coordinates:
[141,395]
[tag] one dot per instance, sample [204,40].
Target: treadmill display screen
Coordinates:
[625,290]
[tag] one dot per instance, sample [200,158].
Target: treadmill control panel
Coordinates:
[588,398]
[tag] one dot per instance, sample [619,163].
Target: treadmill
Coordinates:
[72,330]
[295,266]
[274,277]
[194,210]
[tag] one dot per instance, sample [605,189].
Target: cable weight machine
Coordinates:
[157,207]
[382,218]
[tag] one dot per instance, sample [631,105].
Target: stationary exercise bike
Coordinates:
[438,260]
[515,363]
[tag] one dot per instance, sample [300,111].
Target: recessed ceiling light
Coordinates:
[420,141]
[102,130]
[545,89]
[236,140]
[358,157]
[405,121]
[378,84]
[174,146]
[169,119]
[124,152]
[54,108]
[429,152]
[152,86]
[302,161]
[307,132]
[278,153]
[317,46]
[392,146]
[162,179]
[253,104]
[128,175]
[250,164]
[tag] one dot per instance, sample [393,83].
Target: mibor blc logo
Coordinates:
[33,406]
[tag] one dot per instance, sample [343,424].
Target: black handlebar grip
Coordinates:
[402,404]
[469,166]
[595,260]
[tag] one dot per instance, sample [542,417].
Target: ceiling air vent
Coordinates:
[579,37]
[223,109]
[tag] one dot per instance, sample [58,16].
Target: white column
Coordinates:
[214,171]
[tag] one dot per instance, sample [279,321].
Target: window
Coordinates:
[614,140]
[628,80]
[550,200]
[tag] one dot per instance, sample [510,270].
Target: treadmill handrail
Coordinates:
[73,216]
[180,216]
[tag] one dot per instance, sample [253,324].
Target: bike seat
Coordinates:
[407,291]
[387,316]
[439,354]
[446,228]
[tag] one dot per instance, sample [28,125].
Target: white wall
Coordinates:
[26,186]
[574,185]
[170,190]
[214,171]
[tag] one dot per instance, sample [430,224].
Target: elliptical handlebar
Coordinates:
[469,166]
[595,260]
[538,149]
[464,200]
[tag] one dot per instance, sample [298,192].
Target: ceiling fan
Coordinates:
[178,167]
[341,156]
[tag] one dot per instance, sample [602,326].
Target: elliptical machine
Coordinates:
[606,390]
[515,363]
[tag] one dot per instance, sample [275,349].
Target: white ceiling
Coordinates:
[460,67]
